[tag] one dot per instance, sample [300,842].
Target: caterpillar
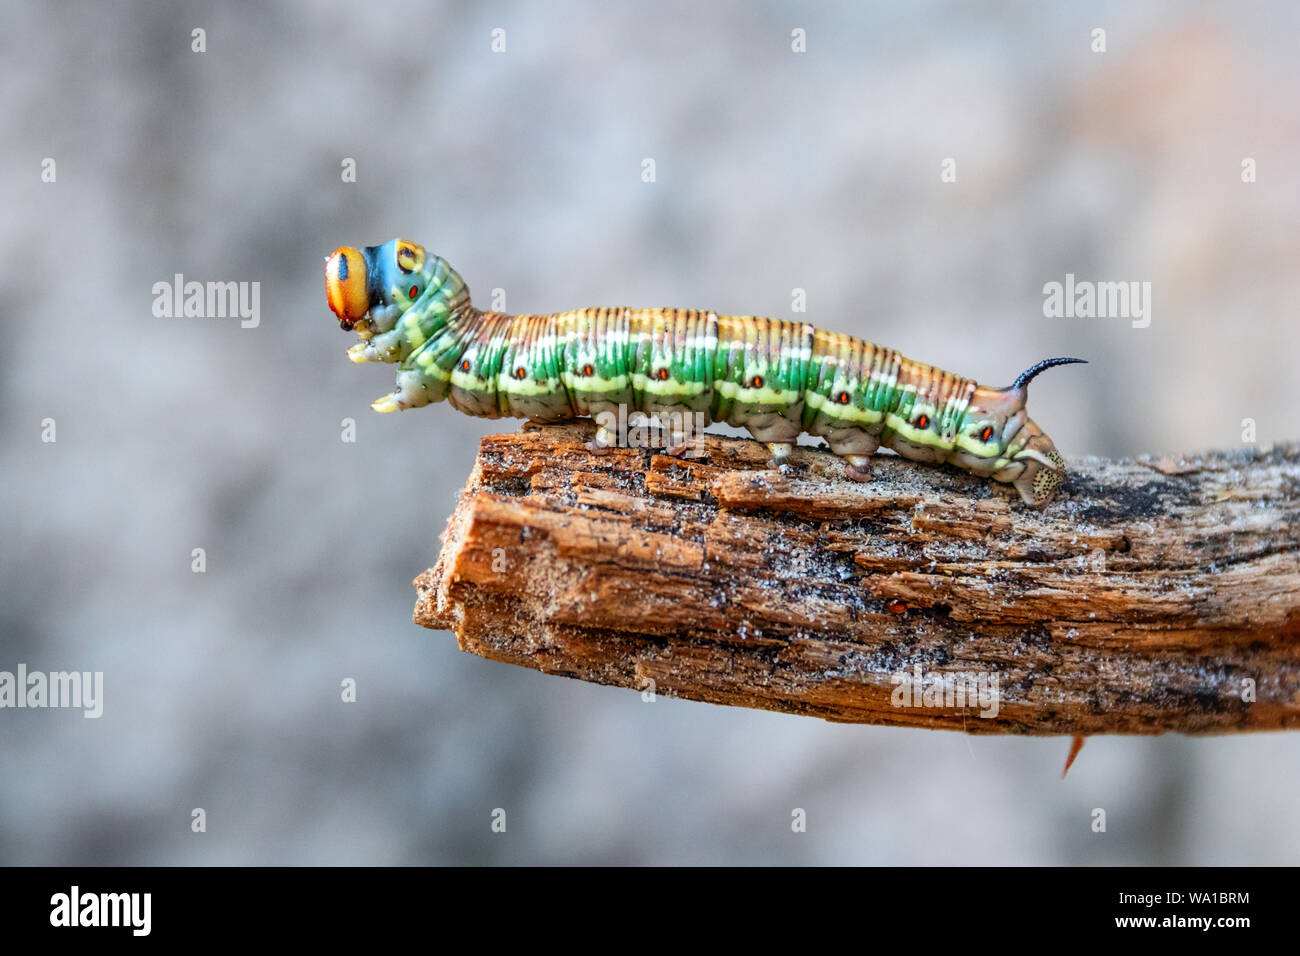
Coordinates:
[775,378]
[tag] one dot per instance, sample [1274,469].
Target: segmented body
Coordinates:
[776,378]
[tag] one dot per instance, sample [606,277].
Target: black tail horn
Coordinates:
[1028,374]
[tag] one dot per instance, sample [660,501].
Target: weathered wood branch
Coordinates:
[1151,596]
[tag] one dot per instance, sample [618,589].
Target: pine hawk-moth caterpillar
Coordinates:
[775,378]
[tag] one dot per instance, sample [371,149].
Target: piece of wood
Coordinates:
[1150,596]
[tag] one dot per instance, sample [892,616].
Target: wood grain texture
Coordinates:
[1151,596]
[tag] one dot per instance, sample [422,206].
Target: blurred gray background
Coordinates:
[775,170]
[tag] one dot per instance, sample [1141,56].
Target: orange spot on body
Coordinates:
[895,607]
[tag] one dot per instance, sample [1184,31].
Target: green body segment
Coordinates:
[776,378]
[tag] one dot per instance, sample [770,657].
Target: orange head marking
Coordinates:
[346,285]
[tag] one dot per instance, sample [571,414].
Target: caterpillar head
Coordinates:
[369,288]
[999,439]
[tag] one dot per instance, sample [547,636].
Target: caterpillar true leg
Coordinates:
[416,387]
